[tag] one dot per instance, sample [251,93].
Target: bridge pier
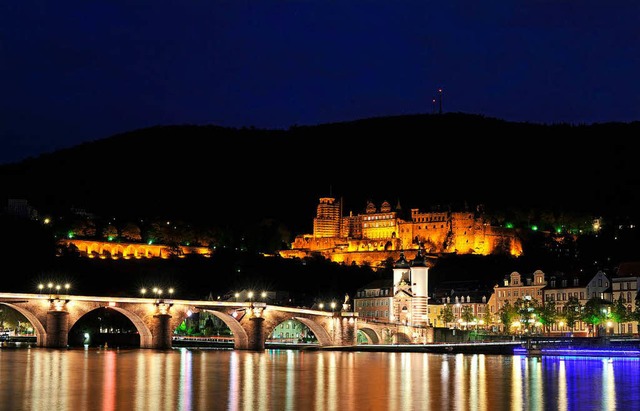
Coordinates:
[57,329]
[162,332]
[345,329]
[255,333]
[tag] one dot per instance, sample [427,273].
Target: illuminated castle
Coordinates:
[379,234]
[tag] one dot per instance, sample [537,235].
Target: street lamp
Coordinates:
[162,306]
[158,293]
[54,298]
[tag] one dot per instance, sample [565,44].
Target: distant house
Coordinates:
[20,207]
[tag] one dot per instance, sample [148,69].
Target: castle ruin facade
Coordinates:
[384,232]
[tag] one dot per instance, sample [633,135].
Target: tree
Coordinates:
[635,315]
[572,312]
[508,314]
[110,232]
[467,315]
[548,314]
[82,227]
[620,313]
[166,232]
[596,313]
[487,317]
[131,232]
[173,249]
[526,310]
[446,315]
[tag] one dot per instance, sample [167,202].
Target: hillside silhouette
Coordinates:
[243,176]
[238,178]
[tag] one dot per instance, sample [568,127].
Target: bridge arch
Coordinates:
[146,336]
[78,311]
[38,327]
[371,335]
[321,334]
[240,336]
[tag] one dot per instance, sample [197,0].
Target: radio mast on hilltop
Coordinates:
[439,101]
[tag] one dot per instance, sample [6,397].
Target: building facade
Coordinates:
[562,288]
[625,286]
[516,288]
[384,233]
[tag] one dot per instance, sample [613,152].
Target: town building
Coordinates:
[516,288]
[466,301]
[561,288]
[625,286]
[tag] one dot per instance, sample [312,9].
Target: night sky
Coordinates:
[76,71]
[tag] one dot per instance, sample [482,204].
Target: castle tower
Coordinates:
[328,218]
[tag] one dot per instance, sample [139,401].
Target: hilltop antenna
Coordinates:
[440,98]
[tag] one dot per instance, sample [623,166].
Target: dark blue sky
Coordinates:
[81,70]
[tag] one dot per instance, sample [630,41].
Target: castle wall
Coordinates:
[106,249]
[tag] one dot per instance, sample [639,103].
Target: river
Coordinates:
[77,379]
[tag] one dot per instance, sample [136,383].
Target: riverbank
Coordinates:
[501,348]
[577,346]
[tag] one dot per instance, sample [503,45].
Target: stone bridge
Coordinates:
[53,316]
[377,332]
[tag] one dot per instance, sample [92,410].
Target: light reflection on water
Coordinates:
[183,379]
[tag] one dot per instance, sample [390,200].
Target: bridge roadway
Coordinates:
[53,315]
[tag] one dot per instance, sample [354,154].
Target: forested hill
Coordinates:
[227,176]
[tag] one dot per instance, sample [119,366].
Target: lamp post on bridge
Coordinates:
[57,303]
[162,305]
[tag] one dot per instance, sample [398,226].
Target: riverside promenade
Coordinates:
[575,346]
